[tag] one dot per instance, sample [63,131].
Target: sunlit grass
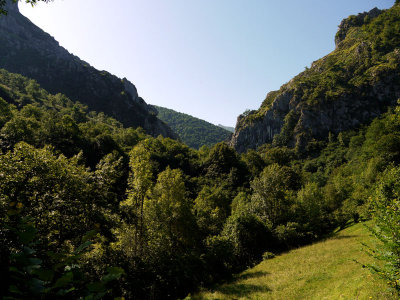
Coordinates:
[324,270]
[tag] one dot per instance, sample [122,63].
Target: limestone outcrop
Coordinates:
[355,83]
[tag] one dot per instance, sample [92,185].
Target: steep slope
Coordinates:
[193,131]
[28,50]
[325,270]
[346,88]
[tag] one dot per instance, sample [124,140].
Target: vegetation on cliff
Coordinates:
[346,88]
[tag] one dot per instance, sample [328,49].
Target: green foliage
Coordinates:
[268,255]
[212,209]
[386,205]
[193,131]
[249,237]
[168,212]
[170,218]
[271,197]
[223,163]
[29,279]
[54,191]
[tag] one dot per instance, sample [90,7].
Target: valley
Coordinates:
[104,196]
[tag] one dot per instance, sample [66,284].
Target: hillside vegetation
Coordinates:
[193,132]
[90,209]
[348,87]
[325,270]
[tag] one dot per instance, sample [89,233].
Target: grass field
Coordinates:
[324,270]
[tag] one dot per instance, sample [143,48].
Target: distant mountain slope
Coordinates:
[193,131]
[346,88]
[26,49]
[231,129]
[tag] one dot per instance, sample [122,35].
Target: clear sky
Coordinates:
[212,59]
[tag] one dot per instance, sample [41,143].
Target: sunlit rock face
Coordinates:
[28,50]
[355,83]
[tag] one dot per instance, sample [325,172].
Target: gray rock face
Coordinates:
[262,131]
[315,121]
[312,105]
[28,50]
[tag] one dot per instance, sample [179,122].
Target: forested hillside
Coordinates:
[90,209]
[193,132]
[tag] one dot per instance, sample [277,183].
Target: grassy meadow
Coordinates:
[324,270]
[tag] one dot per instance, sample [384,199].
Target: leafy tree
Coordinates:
[55,192]
[224,163]
[249,236]
[271,197]
[212,209]
[312,210]
[140,184]
[168,212]
[254,162]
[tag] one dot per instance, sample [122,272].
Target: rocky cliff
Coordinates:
[28,50]
[346,88]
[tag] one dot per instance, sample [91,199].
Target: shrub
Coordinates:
[386,205]
[268,255]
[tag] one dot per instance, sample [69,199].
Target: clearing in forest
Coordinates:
[324,270]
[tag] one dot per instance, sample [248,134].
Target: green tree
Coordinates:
[249,236]
[271,193]
[55,192]
[168,213]
[139,186]
[211,209]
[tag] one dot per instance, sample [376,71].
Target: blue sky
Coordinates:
[212,59]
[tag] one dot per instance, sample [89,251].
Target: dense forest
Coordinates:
[192,131]
[90,209]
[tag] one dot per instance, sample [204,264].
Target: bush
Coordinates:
[268,255]
[250,238]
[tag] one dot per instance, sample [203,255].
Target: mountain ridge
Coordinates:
[28,50]
[350,86]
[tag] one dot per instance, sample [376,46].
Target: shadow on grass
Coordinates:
[343,237]
[251,275]
[242,289]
